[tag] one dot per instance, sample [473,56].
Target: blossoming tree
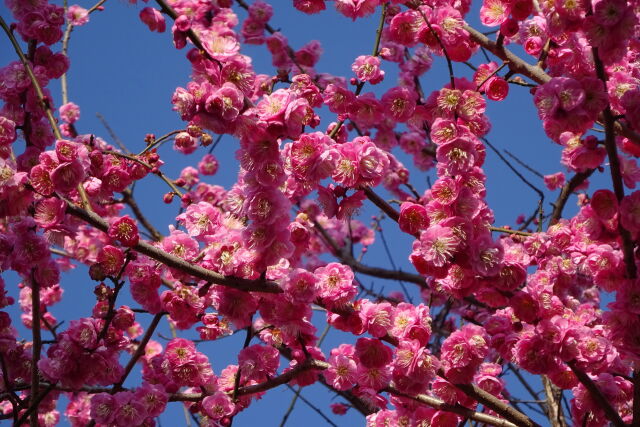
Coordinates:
[551,296]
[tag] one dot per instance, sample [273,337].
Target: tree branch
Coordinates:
[566,191]
[498,406]
[597,395]
[36,349]
[456,409]
[614,168]
[179,263]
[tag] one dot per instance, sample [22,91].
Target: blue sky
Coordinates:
[127,74]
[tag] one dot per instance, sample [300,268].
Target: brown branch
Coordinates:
[139,351]
[456,409]
[347,259]
[381,203]
[516,64]
[127,197]
[537,74]
[614,168]
[567,190]
[498,406]
[157,172]
[36,349]
[553,406]
[32,409]
[597,396]
[191,35]
[510,231]
[179,263]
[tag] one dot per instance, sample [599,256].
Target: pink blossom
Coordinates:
[367,69]
[497,88]
[153,399]
[630,212]
[77,15]
[436,245]
[130,411]
[335,283]
[301,285]
[554,181]
[404,27]
[226,102]
[103,408]
[338,98]
[309,6]
[462,353]
[494,12]
[49,212]
[258,362]
[7,131]
[376,318]
[341,373]
[413,218]
[339,408]
[356,8]
[218,406]
[457,156]
[399,103]
[124,230]
[69,112]
[261,11]
[200,219]
[153,19]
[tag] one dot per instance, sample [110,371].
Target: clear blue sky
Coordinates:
[128,74]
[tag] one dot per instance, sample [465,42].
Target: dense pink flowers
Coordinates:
[289,239]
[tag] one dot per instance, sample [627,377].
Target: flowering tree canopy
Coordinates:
[280,255]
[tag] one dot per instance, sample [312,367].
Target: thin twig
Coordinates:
[382,273]
[567,189]
[523,179]
[510,231]
[139,351]
[156,143]
[111,133]
[312,406]
[191,34]
[376,52]
[523,164]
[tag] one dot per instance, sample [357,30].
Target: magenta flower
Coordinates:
[124,230]
[153,19]
[367,69]
[630,212]
[335,283]
[77,15]
[218,406]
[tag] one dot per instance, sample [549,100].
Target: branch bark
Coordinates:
[179,263]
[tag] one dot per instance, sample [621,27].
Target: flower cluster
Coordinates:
[264,256]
